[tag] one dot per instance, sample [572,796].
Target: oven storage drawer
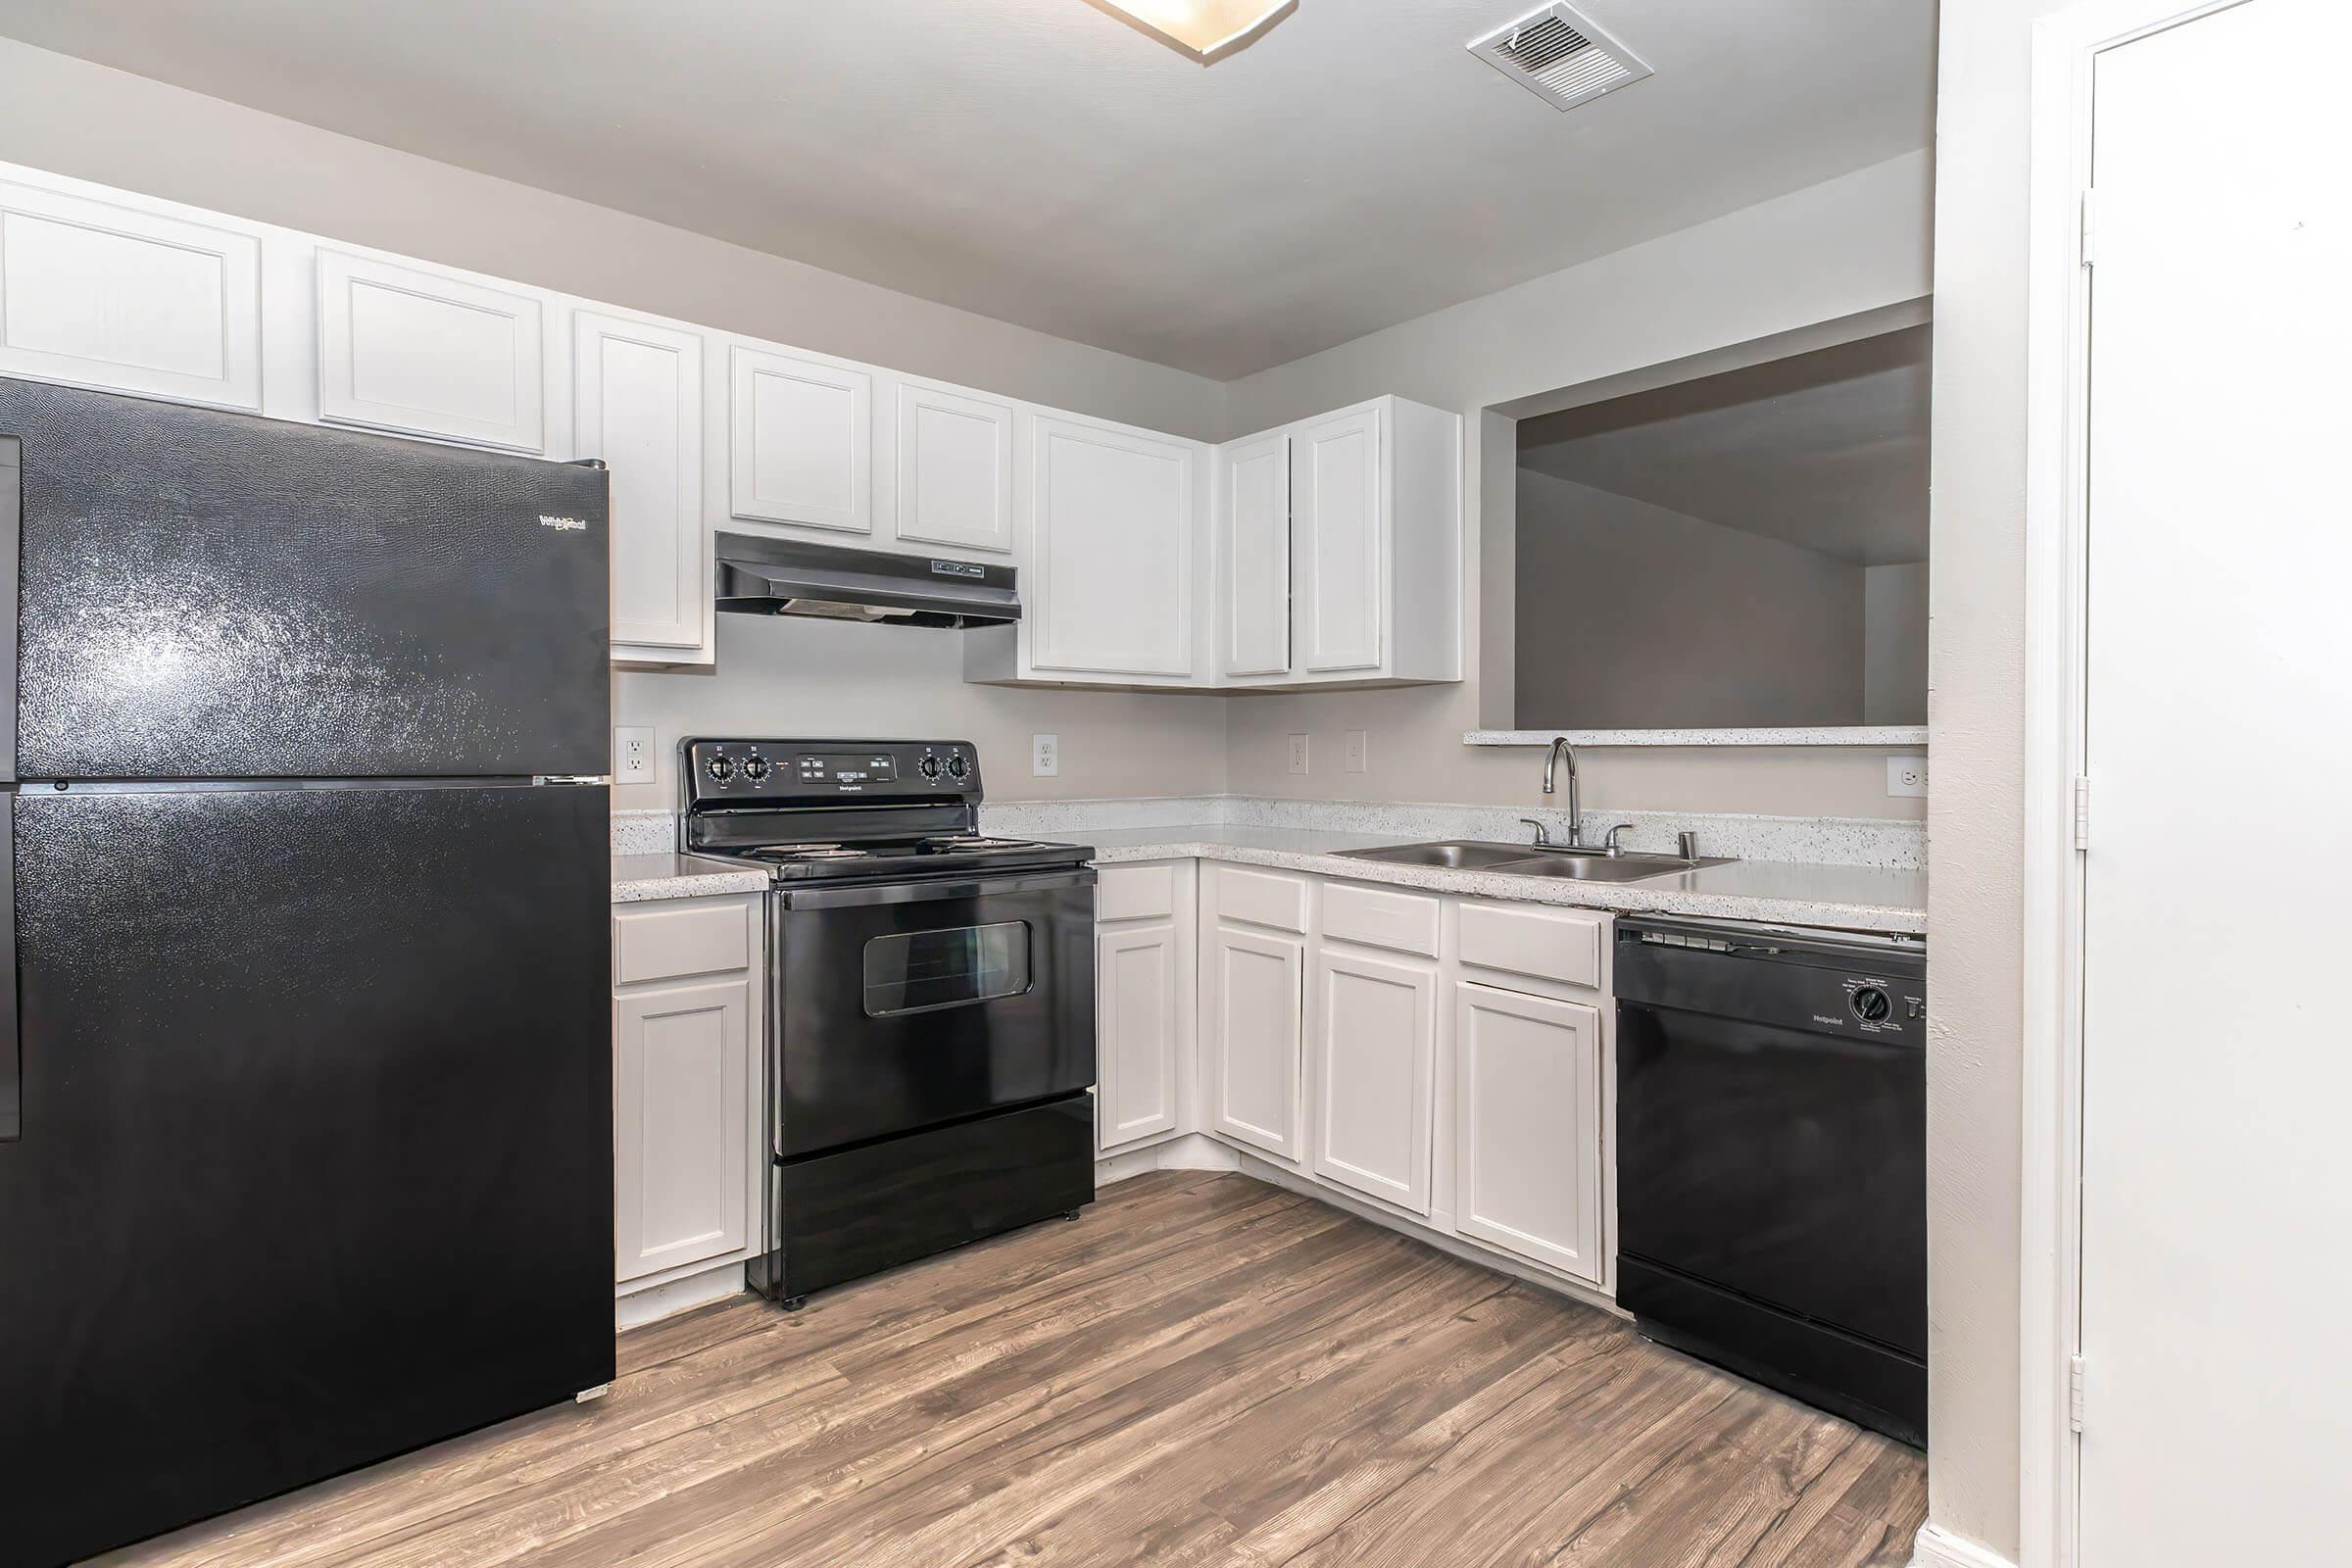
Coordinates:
[909,1004]
[848,1214]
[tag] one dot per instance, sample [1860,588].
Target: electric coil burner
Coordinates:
[931,1002]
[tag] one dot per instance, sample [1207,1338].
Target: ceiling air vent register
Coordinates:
[1560,54]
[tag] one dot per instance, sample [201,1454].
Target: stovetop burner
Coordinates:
[834,809]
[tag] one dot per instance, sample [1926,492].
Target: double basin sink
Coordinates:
[1520,859]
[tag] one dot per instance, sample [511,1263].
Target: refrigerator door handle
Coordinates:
[12,551]
[12,1046]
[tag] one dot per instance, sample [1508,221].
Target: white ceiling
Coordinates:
[1039,162]
[1826,451]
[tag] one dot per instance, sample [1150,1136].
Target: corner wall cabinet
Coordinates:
[1342,538]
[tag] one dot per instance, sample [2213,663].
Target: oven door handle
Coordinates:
[856,896]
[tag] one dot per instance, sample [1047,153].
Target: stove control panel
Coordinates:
[799,771]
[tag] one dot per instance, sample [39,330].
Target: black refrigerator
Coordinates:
[305,1063]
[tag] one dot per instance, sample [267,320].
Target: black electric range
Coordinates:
[931,1001]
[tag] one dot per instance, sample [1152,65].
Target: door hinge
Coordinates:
[2074,1392]
[2090,226]
[2081,812]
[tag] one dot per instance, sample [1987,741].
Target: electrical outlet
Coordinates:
[1297,754]
[1044,757]
[1359,751]
[1907,775]
[633,755]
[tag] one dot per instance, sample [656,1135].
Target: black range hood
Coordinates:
[784,577]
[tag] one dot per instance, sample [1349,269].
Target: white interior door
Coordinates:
[2217,1071]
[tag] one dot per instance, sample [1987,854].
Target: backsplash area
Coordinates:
[1885,842]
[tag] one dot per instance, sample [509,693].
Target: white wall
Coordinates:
[1894,643]
[76,118]
[1847,246]
[1635,616]
[1976,726]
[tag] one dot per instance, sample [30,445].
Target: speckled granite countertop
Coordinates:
[1855,898]
[1861,898]
[638,878]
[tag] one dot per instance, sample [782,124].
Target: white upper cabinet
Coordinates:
[129,301]
[424,353]
[1369,512]
[637,404]
[1109,584]
[1253,539]
[1335,502]
[954,468]
[801,431]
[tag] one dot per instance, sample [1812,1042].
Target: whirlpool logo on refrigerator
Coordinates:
[564,525]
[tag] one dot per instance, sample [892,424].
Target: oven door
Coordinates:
[911,1005]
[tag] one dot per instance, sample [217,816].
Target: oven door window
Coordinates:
[921,971]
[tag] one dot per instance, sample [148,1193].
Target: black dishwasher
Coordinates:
[1772,1158]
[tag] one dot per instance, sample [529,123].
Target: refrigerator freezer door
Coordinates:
[315,1162]
[214,595]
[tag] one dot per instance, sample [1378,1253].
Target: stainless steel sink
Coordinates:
[1524,860]
[1590,866]
[1455,855]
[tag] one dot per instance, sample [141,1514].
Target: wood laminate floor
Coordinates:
[1203,1370]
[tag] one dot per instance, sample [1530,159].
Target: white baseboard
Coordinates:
[1186,1151]
[640,1308]
[1935,1548]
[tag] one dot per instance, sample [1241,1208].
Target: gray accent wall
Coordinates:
[1633,616]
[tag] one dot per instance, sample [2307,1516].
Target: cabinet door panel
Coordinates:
[954,469]
[128,301]
[1254,507]
[1135,974]
[1376,1050]
[1336,514]
[637,403]
[802,440]
[682,1080]
[1528,1144]
[408,349]
[1255,985]
[1112,552]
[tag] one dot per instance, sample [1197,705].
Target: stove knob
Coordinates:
[1872,1005]
[958,767]
[719,768]
[929,767]
[756,768]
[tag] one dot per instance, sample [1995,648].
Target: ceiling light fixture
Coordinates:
[1206,29]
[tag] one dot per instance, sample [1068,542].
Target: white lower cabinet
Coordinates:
[1145,998]
[1528,1126]
[686,1028]
[1445,1056]
[1251,989]
[1375,1062]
